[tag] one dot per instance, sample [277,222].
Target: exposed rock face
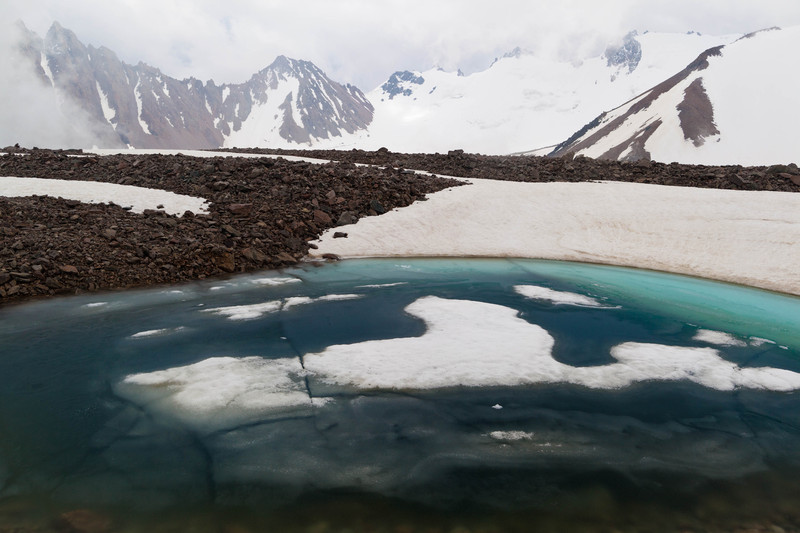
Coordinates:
[627,55]
[398,83]
[142,107]
[697,114]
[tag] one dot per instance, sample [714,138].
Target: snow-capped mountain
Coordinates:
[522,100]
[289,103]
[734,104]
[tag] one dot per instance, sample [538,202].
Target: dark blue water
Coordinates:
[418,394]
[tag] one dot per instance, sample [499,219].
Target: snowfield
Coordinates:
[522,101]
[747,237]
[754,107]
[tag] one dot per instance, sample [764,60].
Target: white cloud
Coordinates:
[363,41]
[31,113]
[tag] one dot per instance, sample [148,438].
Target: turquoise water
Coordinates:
[190,408]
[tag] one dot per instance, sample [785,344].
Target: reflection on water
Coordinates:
[413,395]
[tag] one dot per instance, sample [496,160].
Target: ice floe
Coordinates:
[535,292]
[253,311]
[156,332]
[274,281]
[381,285]
[137,198]
[476,344]
[304,300]
[246,312]
[511,435]
[719,338]
[466,344]
[221,392]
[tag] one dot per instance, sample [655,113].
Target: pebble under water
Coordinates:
[404,395]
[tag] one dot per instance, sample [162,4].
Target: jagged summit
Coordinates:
[401,82]
[628,54]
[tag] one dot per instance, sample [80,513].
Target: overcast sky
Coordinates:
[363,41]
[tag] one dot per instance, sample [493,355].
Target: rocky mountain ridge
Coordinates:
[138,105]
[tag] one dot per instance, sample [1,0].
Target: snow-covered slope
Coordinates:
[522,100]
[737,104]
[288,103]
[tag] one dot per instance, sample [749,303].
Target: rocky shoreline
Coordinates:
[262,214]
[263,211]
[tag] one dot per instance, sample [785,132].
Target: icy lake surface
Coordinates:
[367,392]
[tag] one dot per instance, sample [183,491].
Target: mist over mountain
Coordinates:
[69,94]
[288,102]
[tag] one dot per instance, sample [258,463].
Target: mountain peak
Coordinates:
[400,83]
[627,54]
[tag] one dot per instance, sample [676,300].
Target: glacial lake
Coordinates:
[404,395]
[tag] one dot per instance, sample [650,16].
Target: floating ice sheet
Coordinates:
[476,344]
[467,344]
[246,312]
[253,311]
[221,392]
[156,332]
[719,338]
[557,297]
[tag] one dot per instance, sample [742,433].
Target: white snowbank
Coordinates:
[476,344]
[95,192]
[220,392]
[557,297]
[748,237]
[719,338]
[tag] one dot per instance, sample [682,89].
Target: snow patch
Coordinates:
[95,192]
[137,92]
[275,281]
[109,113]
